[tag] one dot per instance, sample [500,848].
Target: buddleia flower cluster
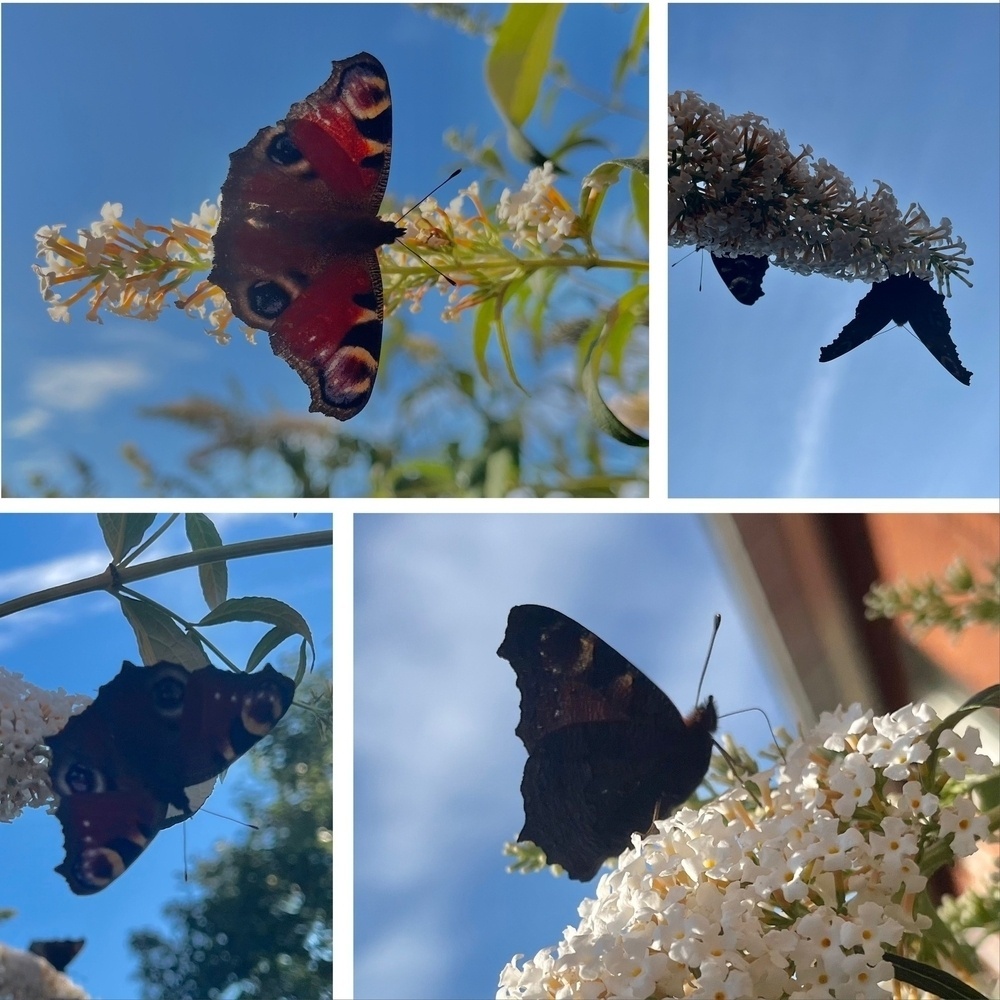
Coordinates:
[28,714]
[801,893]
[135,270]
[737,189]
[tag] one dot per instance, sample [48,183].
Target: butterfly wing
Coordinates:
[57,953]
[902,298]
[927,315]
[295,246]
[608,751]
[144,755]
[874,312]
[588,787]
[225,714]
[743,275]
[104,834]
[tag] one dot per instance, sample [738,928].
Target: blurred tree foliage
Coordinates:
[260,925]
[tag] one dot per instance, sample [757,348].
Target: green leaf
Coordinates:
[502,339]
[930,979]
[159,637]
[123,532]
[639,186]
[214,576]
[270,640]
[594,187]
[481,329]
[590,376]
[520,58]
[987,698]
[638,46]
[261,609]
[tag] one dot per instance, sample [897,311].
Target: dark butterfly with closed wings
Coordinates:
[57,953]
[144,755]
[743,275]
[902,298]
[608,751]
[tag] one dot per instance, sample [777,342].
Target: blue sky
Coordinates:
[906,93]
[142,104]
[437,765]
[78,644]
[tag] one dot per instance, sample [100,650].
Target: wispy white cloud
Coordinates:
[78,386]
[812,432]
[41,576]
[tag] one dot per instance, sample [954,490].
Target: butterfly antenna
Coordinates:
[232,819]
[450,177]
[716,622]
[774,738]
[427,262]
[735,768]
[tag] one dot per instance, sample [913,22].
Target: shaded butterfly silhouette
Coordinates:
[743,275]
[903,298]
[608,751]
[145,754]
[57,953]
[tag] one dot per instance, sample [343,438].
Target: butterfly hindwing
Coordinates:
[902,299]
[743,275]
[607,750]
[295,246]
[144,754]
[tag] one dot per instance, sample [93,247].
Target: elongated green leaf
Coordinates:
[590,376]
[502,340]
[159,637]
[987,698]
[595,185]
[123,532]
[481,330]
[639,186]
[638,46]
[261,609]
[270,640]
[520,57]
[214,576]
[930,979]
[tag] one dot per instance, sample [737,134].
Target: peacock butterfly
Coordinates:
[608,751]
[144,755]
[743,275]
[296,241]
[902,298]
[57,953]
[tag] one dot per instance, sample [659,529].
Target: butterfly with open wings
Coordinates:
[295,249]
[144,755]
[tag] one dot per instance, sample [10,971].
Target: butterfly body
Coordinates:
[608,751]
[138,758]
[902,299]
[295,250]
